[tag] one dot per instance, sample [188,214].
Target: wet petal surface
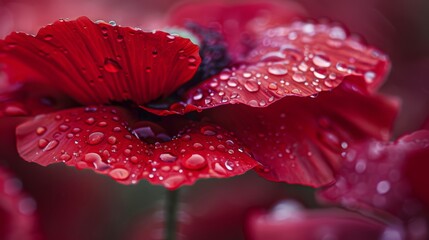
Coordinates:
[301,59]
[303,140]
[110,141]
[384,177]
[101,62]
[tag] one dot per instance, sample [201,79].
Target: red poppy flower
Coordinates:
[387,178]
[17,210]
[131,80]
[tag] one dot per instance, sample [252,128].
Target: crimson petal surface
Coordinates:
[97,63]
[110,141]
[384,177]
[301,140]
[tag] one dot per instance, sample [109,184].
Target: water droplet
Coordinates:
[111,65]
[65,157]
[369,76]
[42,143]
[341,67]
[247,74]
[102,124]
[383,187]
[320,73]
[299,77]
[251,86]
[51,145]
[309,28]
[40,130]
[337,33]
[194,162]
[174,181]
[63,127]
[224,75]
[90,121]
[277,70]
[208,131]
[95,138]
[92,157]
[198,146]
[321,61]
[167,157]
[360,166]
[229,165]
[112,140]
[27,206]
[303,67]
[197,96]
[119,173]
[232,82]
[48,37]
[272,86]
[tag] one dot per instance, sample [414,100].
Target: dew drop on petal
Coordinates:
[111,140]
[208,131]
[277,70]
[369,77]
[119,173]
[95,138]
[251,86]
[229,165]
[42,143]
[51,145]
[383,187]
[321,61]
[111,65]
[92,157]
[174,181]
[298,77]
[194,162]
[40,130]
[167,157]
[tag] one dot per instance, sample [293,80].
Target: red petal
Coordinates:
[106,140]
[237,22]
[100,63]
[376,176]
[301,59]
[22,99]
[312,225]
[299,140]
[17,210]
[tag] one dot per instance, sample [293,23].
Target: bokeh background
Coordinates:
[74,204]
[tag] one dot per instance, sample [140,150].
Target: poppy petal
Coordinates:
[17,210]
[301,59]
[97,63]
[110,141]
[301,140]
[384,177]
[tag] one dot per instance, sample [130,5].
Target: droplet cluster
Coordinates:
[301,59]
[108,141]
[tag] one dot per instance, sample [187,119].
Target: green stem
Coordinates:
[172,202]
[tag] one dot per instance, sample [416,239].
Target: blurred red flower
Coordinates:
[387,180]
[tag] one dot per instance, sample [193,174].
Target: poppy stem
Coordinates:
[172,202]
